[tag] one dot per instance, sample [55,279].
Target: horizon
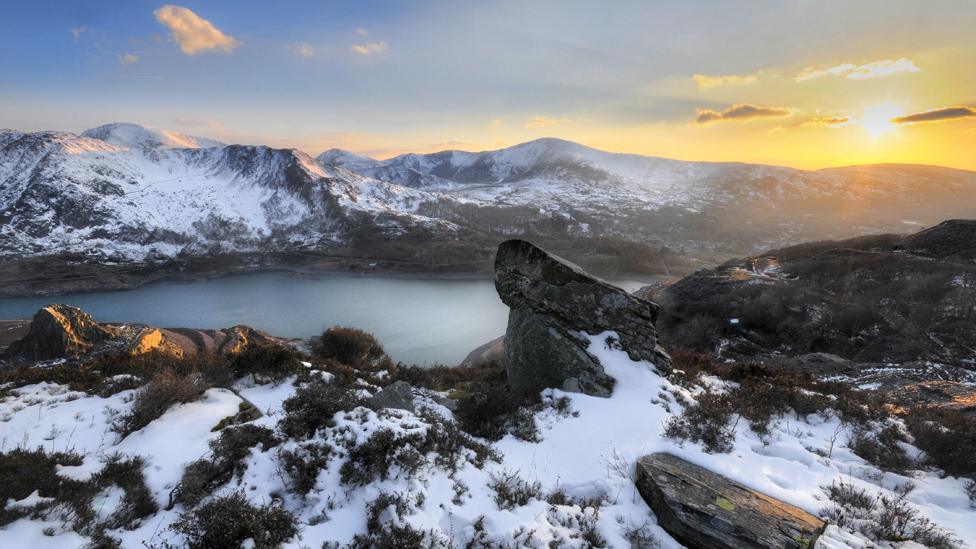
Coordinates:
[543,138]
[741,85]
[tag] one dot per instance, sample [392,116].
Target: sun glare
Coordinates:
[877,119]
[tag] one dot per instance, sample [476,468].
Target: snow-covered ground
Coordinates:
[588,451]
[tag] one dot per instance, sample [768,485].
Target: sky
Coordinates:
[809,84]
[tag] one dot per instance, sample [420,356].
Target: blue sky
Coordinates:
[385,77]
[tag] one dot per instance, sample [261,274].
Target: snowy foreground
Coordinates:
[586,452]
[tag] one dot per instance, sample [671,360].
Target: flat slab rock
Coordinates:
[704,510]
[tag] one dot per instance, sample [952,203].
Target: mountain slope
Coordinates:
[742,207]
[128,192]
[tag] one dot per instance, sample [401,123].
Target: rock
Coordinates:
[154,340]
[59,331]
[552,301]
[943,395]
[397,395]
[704,510]
[493,351]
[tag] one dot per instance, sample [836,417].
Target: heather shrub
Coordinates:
[352,347]
[164,390]
[226,522]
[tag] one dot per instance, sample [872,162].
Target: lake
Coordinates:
[420,321]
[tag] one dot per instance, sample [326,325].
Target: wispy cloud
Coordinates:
[128,59]
[876,69]
[369,48]
[936,115]
[78,31]
[705,81]
[362,32]
[196,122]
[539,121]
[193,33]
[741,113]
[304,49]
[826,121]
[495,122]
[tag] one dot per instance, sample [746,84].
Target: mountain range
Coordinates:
[128,193]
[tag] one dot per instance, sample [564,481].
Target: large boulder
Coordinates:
[59,331]
[704,510]
[553,303]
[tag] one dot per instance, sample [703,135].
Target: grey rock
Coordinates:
[704,510]
[397,395]
[492,351]
[553,303]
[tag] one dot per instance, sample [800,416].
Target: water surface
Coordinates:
[420,321]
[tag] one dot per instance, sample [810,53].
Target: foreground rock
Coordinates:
[552,302]
[704,510]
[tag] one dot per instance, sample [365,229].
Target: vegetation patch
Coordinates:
[230,520]
[164,390]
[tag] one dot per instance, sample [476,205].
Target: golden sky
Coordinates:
[801,83]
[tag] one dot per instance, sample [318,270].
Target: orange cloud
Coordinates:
[740,112]
[543,122]
[193,33]
[936,115]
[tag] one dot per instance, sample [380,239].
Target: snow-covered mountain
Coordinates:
[745,205]
[134,192]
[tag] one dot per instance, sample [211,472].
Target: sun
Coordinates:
[877,119]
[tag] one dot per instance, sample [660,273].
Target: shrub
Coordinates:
[385,527]
[225,522]
[267,362]
[947,437]
[313,406]
[386,452]
[493,411]
[512,491]
[352,347]
[138,501]
[303,464]
[166,389]
[881,448]
[23,471]
[445,378]
[883,517]
[228,452]
[706,421]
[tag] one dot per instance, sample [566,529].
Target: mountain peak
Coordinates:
[339,158]
[148,137]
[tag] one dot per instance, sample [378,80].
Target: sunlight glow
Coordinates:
[877,119]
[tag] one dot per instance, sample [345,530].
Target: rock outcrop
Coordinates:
[59,331]
[397,395]
[704,510]
[552,303]
[62,331]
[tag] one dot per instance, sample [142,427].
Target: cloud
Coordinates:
[369,48]
[495,122]
[936,115]
[128,59]
[304,49]
[740,113]
[543,122]
[78,31]
[705,81]
[362,32]
[826,121]
[876,69]
[196,122]
[193,33]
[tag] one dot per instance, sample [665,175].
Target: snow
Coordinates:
[589,451]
